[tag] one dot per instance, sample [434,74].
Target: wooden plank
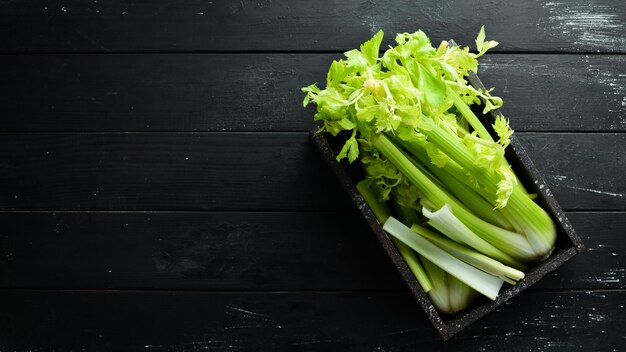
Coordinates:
[243,251]
[165,92]
[601,265]
[313,321]
[211,92]
[248,171]
[582,93]
[581,169]
[262,171]
[246,25]
[181,250]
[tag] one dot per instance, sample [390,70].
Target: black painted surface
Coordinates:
[214,224]
[277,25]
[260,92]
[250,171]
[299,321]
[243,251]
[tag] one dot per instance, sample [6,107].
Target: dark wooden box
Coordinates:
[568,244]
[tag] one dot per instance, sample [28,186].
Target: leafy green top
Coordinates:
[407,93]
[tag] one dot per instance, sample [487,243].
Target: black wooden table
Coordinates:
[158,189]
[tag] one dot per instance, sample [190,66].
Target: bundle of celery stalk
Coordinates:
[434,175]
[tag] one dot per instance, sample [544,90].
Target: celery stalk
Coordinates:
[534,223]
[474,121]
[448,224]
[469,115]
[474,258]
[449,295]
[382,213]
[440,293]
[512,244]
[460,294]
[482,282]
[451,176]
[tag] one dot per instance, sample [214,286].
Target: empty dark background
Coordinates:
[158,190]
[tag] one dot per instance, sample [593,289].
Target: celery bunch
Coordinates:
[407,117]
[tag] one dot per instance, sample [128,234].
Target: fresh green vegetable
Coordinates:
[472,257]
[512,244]
[382,213]
[448,224]
[406,115]
[449,295]
[482,282]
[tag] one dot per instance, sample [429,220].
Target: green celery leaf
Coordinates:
[434,88]
[502,129]
[370,48]
[481,45]
[336,73]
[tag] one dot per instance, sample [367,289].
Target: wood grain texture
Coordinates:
[244,251]
[249,171]
[260,171]
[245,25]
[214,225]
[581,169]
[601,265]
[559,92]
[368,321]
[261,92]
[179,250]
